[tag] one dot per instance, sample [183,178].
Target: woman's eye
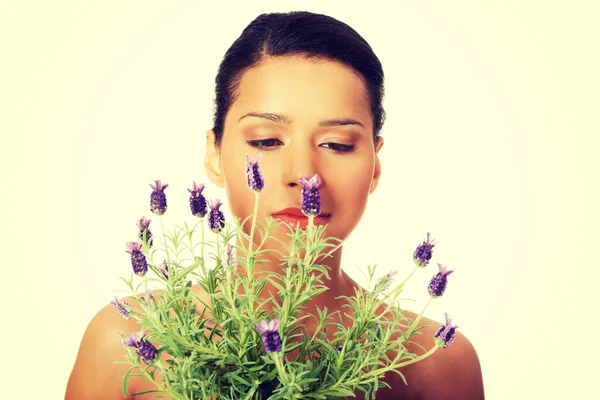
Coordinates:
[342,148]
[264,143]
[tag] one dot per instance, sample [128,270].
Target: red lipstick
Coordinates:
[294,216]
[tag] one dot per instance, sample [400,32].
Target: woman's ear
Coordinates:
[377,170]
[212,160]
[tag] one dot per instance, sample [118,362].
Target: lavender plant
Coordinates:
[233,343]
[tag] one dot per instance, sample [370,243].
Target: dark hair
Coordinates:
[297,33]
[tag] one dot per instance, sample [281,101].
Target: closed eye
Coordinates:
[264,144]
[342,148]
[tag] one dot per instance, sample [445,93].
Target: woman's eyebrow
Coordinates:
[279,118]
[340,122]
[282,119]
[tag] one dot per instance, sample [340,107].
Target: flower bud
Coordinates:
[142,346]
[197,201]
[270,335]
[158,200]
[121,309]
[446,334]
[228,257]
[438,283]
[164,270]
[424,251]
[216,219]
[311,198]
[138,260]
[144,227]
[385,281]
[254,175]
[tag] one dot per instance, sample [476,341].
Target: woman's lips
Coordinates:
[303,221]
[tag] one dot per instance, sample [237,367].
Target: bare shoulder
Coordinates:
[95,374]
[450,373]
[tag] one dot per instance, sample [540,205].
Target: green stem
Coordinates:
[254,215]
[381,371]
[160,386]
[412,361]
[277,357]
[171,267]
[202,250]
[162,228]
[408,277]
[218,249]
[252,391]
[414,325]
[309,238]
[250,256]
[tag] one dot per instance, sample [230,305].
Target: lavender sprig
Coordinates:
[158,199]
[123,308]
[146,350]
[446,334]
[216,219]
[424,252]
[270,335]
[138,260]
[144,227]
[228,258]
[311,197]
[438,283]
[254,175]
[197,200]
[385,281]
[164,270]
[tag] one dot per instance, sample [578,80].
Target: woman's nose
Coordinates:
[298,161]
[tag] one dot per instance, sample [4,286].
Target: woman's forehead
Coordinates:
[300,88]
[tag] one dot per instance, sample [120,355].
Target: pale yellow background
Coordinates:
[491,143]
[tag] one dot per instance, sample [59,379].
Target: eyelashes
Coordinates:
[268,144]
[341,148]
[264,144]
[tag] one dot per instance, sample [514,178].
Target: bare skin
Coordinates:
[304,117]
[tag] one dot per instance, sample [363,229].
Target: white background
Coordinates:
[491,144]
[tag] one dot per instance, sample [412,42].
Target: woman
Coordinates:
[305,91]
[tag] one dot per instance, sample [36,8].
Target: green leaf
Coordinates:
[147,391]
[239,379]
[126,381]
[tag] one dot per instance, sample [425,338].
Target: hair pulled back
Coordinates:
[297,33]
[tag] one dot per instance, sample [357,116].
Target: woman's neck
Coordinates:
[339,284]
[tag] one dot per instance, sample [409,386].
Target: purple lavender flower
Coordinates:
[446,334]
[270,335]
[132,340]
[438,283]
[253,174]
[144,227]
[216,219]
[164,270]
[142,346]
[197,201]
[120,307]
[158,200]
[138,260]
[386,280]
[311,198]
[424,252]
[149,297]
[228,257]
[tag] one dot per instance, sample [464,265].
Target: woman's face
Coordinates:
[305,117]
